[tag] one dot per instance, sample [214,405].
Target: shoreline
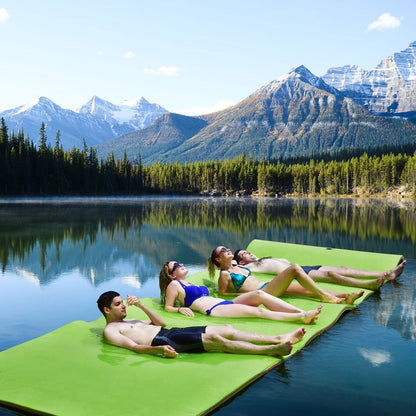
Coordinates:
[63,199]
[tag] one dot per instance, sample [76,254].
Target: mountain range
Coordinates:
[389,88]
[296,114]
[96,121]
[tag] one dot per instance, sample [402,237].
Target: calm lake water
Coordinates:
[59,255]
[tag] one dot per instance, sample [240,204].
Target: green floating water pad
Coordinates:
[325,256]
[70,371]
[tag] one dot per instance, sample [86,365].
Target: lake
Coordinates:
[59,254]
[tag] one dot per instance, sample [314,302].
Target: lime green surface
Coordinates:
[70,371]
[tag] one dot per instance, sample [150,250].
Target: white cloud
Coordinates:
[4,15]
[385,22]
[376,357]
[197,111]
[166,71]
[129,55]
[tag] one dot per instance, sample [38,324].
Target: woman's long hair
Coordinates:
[164,280]
[213,264]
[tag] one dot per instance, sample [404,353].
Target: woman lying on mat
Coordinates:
[340,275]
[235,279]
[174,286]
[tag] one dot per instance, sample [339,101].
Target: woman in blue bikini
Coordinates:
[235,280]
[174,287]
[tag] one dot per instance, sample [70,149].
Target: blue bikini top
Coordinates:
[239,279]
[193,293]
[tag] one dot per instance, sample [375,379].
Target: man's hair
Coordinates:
[237,256]
[105,300]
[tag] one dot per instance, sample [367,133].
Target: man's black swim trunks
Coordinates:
[182,339]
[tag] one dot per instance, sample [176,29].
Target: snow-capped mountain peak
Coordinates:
[136,102]
[96,106]
[96,121]
[39,104]
[388,88]
[299,73]
[125,117]
[27,106]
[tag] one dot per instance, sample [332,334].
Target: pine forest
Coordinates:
[43,170]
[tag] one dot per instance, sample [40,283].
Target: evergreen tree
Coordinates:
[4,138]
[42,138]
[4,158]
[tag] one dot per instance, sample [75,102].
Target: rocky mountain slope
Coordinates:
[295,114]
[389,88]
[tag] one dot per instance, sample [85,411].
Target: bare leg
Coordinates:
[349,298]
[281,283]
[214,343]
[231,333]
[241,310]
[260,297]
[346,271]
[334,277]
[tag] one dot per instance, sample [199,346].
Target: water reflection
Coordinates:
[396,307]
[130,238]
[375,357]
[330,222]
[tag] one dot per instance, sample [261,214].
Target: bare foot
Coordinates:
[280,350]
[310,316]
[293,337]
[397,271]
[329,298]
[376,284]
[351,297]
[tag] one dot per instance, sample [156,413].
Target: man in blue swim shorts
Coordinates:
[151,337]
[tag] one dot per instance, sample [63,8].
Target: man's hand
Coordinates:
[133,300]
[155,319]
[168,351]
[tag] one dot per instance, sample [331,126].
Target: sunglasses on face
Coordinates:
[175,266]
[223,250]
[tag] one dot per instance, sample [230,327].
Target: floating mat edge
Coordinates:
[77,360]
[328,256]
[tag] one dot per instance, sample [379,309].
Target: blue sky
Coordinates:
[189,56]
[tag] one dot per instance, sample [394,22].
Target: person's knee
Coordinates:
[214,340]
[259,293]
[226,330]
[296,268]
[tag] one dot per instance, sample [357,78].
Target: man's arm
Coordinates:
[114,337]
[155,319]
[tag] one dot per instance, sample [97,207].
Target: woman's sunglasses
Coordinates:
[224,249]
[175,266]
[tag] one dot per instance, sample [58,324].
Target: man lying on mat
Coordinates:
[151,337]
[344,276]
